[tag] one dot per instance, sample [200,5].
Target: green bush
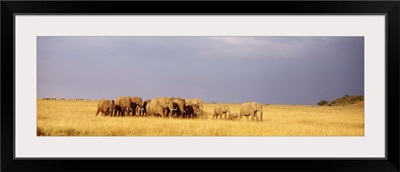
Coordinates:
[345,100]
[322,102]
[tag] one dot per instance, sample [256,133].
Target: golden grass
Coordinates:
[77,118]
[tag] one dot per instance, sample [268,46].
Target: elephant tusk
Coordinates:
[184,111]
[175,109]
[200,108]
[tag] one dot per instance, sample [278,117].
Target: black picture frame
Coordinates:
[10,8]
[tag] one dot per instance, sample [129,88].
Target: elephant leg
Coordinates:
[97,112]
[252,117]
[127,112]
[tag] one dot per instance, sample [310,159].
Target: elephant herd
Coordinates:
[253,109]
[173,107]
[157,107]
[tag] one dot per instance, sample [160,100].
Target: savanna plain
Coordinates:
[78,118]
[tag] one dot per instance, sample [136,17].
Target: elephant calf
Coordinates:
[234,116]
[221,110]
[105,107]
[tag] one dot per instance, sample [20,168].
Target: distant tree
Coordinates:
[322,102]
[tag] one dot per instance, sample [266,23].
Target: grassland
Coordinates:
[77,118]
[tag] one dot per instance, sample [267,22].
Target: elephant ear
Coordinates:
[253,106]
[162,102]
[226,108]
[260,107]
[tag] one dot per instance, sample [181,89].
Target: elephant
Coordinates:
[190,111]
[234,116]
[221,110]
[122,106]
[106,107]
[117,108]
[145,103]
[251,109]
[161,107]
[195,105]
[179,106]
[148,110]
[136,106]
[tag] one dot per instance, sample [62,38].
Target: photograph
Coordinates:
[200,86]
[196,86]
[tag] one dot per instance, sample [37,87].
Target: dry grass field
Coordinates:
[77,118]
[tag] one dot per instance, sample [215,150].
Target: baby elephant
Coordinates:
[221,110]
[105,107]
[234,116]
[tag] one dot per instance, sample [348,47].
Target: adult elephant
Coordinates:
[251,109]
[122,106]
[136,106]
[221,110]
[195,105]
[179,107]
[161,107]
[145,109]
[189,109]
[106,107]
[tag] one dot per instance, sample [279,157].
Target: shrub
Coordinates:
[345,100]
[322,102]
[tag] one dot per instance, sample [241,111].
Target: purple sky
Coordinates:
[271,70]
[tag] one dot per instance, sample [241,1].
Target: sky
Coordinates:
[269,70]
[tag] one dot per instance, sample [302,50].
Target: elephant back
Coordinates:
[118,99]
[137,100]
